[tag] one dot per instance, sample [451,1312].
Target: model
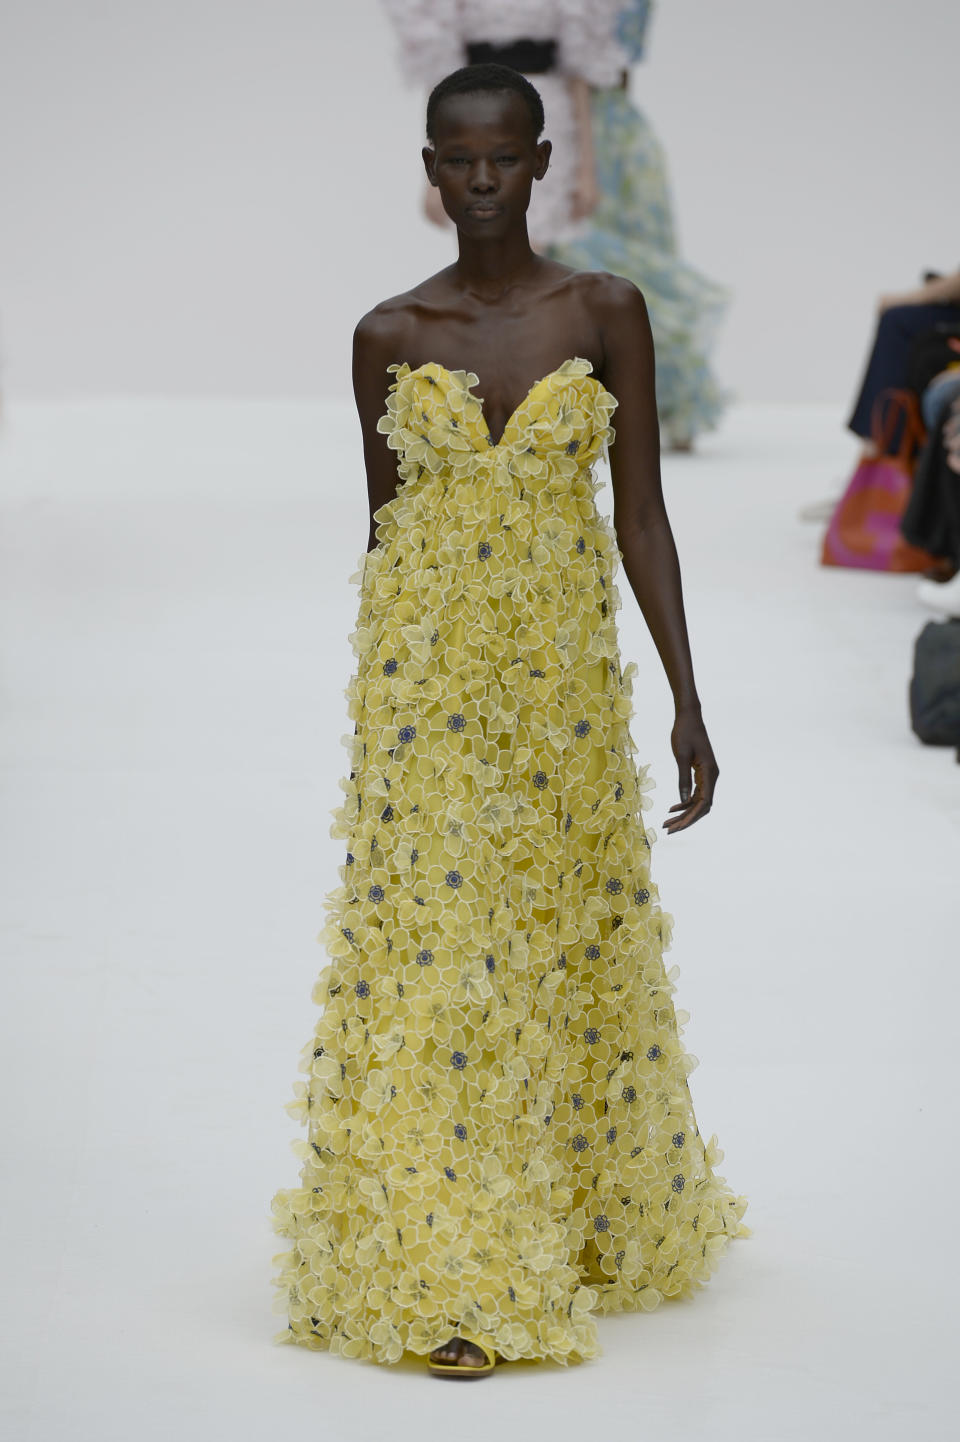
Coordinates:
[501,1138]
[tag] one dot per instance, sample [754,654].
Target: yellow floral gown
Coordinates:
[501,1138]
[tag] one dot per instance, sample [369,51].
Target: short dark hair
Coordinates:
[481,80]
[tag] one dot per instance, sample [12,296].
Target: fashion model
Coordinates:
[501,1138]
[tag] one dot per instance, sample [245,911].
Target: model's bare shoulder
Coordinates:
[387,333]
[617,309]
[380,334]
[612,298]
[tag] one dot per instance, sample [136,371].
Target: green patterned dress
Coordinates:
[631,233]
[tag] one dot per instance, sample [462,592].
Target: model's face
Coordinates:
[484,159]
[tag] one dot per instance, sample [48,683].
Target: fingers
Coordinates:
[691,808]
[686,786]
[697,808]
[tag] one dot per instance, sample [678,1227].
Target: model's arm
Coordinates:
[644,534]
[377,343]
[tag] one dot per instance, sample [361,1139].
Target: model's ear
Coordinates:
[544,151]
[430,163]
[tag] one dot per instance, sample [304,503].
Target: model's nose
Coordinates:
[484,177]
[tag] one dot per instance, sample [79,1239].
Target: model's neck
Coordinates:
[491,266]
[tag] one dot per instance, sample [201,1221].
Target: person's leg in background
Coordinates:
[887,365]
[897,328]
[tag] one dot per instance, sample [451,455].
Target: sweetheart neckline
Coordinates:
[571,360]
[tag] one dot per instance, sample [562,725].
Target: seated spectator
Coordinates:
[902,319]
[897,356]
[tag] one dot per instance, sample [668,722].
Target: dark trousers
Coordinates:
[887,366]
[932,517]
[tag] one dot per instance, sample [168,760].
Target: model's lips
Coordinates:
[484,210]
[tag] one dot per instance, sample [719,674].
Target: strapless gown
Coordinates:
[501,1137]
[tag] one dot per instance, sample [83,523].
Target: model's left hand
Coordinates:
[696,763]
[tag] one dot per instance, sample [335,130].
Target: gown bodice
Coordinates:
[435,420]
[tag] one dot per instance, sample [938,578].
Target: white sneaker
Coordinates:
[942,596]
[818,511]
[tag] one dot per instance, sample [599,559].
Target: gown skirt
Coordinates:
[500,1134]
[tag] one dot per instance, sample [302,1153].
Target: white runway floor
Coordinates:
[175,610]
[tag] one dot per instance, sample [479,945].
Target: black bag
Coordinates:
[935,685]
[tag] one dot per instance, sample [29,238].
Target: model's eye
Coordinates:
[507,159]
[458,160]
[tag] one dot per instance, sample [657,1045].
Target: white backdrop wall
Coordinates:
[200,197]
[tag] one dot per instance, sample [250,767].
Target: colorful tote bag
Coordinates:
[864,530]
